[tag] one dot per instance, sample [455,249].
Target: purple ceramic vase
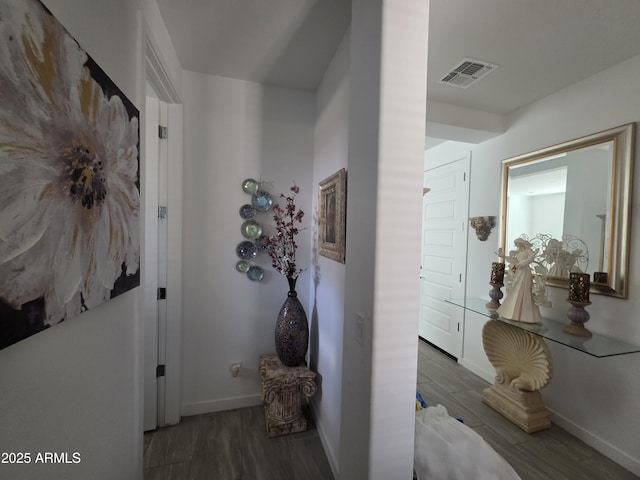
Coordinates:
[292,330]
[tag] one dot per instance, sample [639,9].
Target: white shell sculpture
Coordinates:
[521,359]
[523,366]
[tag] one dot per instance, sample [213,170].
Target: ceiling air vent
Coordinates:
[467,72]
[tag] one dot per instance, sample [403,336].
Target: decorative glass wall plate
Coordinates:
[247,211]
[251,229]
[242,266]
[246,250]
[255,274]
[261,243]
[261,201]
[250,186]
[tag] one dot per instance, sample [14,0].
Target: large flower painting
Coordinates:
[69,177]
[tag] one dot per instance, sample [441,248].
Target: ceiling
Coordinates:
[539,46]
[288,43]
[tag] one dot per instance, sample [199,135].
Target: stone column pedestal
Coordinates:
[283,390]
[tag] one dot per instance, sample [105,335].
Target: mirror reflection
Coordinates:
[572,202]
[566,199]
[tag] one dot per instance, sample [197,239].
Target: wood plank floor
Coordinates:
[232,445]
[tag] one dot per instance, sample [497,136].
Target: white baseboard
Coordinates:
[614,453]
[328,450]
[210,406]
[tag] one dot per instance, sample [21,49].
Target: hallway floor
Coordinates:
[232,445]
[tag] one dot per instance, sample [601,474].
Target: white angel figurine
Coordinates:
[519,303]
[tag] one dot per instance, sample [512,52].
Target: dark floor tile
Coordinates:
[602,468]
[265,458]
[218,451]
[451,378]
[147,441]
[173,471]
[434,395]
[423,378]
[253,419]
[545,466]
[559,442]
[564,456]
[427,352]
[172,444]
[308,460]
[522,466]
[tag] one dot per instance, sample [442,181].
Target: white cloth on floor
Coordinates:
[446,449]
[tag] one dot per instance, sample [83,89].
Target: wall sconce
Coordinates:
[483,226]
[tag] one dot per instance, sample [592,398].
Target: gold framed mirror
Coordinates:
[575,197]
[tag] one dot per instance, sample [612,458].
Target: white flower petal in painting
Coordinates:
[69,197]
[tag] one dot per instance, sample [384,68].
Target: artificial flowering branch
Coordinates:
[282,246]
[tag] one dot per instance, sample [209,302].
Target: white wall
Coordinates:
[386,125]
[236,130]
[405,31]
[593,398]
[327,281]
[355,428]
[77,386]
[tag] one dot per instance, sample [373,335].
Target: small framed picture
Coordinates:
[331,216]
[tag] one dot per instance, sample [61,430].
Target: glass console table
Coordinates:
[597,346]
[523,362]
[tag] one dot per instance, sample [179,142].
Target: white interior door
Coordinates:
[444,250]
[161,186]
[151,254]
[162,264]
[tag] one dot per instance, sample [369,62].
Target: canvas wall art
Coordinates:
[69,177]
